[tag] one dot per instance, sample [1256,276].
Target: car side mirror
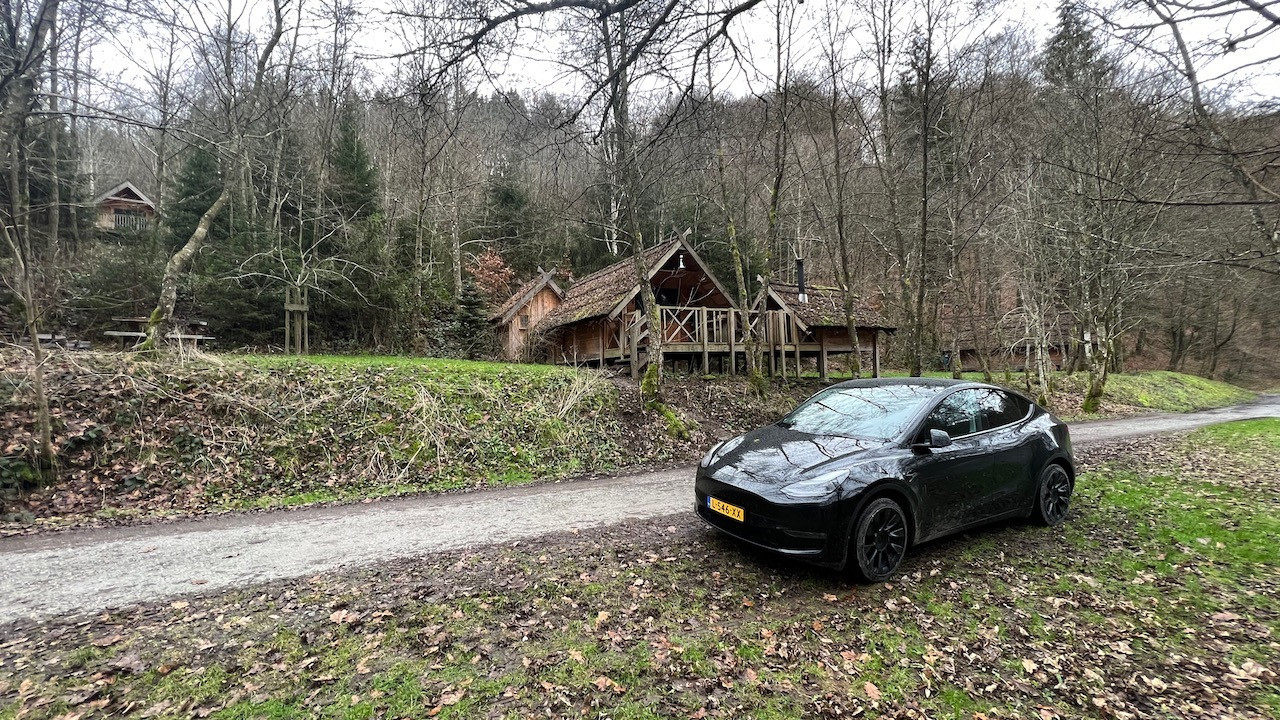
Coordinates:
[937,439]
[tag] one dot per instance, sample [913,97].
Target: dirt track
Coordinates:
[86,571]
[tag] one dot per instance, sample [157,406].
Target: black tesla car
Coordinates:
[865,469]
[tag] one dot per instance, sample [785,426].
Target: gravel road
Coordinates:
[91,570]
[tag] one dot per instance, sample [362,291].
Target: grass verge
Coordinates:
[1126,393]
[1159,598]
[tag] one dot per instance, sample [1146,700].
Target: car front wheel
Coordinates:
[879,541]
[1053,497]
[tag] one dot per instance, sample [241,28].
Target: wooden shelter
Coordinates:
[516,318]
[124,207]
[602,319]
[817,328]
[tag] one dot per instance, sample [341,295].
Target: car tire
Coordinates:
[1053,496]
[879,541]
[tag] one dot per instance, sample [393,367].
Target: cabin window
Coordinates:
[667,296]
[524,322]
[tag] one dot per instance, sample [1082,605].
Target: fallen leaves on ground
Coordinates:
[1008,622]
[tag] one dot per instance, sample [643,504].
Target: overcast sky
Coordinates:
[532,63]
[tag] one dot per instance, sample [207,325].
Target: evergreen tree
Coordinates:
[354,192]
[239,312]
[198,184]
[471,322]
[1073,58]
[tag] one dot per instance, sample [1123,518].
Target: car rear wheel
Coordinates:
[1053,498]
[879,541]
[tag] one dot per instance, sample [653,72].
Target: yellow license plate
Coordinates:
[726,509]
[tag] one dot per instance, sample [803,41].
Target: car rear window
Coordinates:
[879,413]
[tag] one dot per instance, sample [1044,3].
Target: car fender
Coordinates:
[1064,459]
[895,486]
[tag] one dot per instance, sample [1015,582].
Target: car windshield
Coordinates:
[879,413]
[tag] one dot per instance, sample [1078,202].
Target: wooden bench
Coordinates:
[192,334]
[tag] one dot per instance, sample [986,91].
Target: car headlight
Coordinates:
[816,488]
[719,449]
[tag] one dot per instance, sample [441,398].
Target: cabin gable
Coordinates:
[124,207]
[514,321]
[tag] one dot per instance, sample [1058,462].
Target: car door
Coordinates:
[1009,449]
[955,480]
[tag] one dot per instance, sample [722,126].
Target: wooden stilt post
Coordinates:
[733,347]
[635,349]
[822,355]
[875,353]
[781,319]
[702,323]
[770,341]
[795,333]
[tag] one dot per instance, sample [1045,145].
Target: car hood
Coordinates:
[775,455]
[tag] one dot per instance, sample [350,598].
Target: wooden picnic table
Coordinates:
[188,330]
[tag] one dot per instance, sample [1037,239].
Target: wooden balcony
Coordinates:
[700,335]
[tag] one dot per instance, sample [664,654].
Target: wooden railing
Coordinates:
[717,332]
[714,326]
[127,221]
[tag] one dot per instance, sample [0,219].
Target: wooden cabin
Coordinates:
[602,320]
[124,207]
[817,327]
[516,318]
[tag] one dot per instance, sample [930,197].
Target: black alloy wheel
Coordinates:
[1053,499]
[879,540]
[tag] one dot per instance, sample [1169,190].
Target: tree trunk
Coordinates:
[55,181]
[162,316]
[739,272]
[1099,370]
[19,242]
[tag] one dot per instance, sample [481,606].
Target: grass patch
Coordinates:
[1254,437]
[1152,390]
[1162,390]
[467,368]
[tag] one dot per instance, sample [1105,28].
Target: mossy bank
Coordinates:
[140,438]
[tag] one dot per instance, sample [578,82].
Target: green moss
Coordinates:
[649,384]
[676,427]
[1162,390]
[273,709]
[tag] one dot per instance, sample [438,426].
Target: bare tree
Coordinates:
[25,55]
[239,100]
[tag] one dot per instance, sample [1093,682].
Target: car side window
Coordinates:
[997,409]
[957,415]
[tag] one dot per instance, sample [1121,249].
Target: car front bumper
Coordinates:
[811,532]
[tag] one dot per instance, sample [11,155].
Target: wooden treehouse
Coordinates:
[601,320]
[125,208]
